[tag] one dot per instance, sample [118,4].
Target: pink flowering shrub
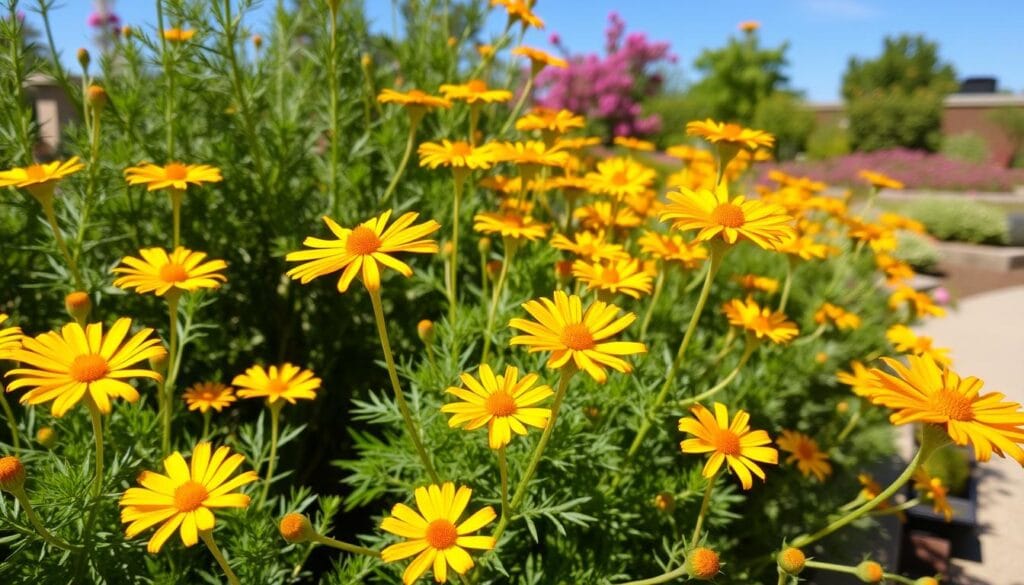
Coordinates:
[609,88]
[917,169]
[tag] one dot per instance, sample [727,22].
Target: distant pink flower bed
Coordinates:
[917,170]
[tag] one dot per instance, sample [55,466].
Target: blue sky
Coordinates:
[979,37]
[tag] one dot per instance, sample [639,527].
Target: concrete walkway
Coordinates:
[986,335]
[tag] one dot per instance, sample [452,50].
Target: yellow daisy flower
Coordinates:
[730,134]
[752,282]
[619,276]
[285,382]
[363,249]
[435,533]
[40,180]
[921,304]
[905,340]
[510,225]
[842,318]
[896,271]
[413,98]
[161,273]
[205,396]
[532,153]
[761,323]
[619,177]
[539,59]
[714,214]
[64,367]
[504,403]
[598,216]
[805,452]
[929,393]
[901,222]
[672,247]
[457,155]
[805,248]
[732,443]
[475,91]
[184,498]
[932,489]
[859,378]
[549,120]
[879,180]
[171,176]
[520,11]
[577,337]
[579,143]
[632,143]
[177,35]
[10,338]
[589,245]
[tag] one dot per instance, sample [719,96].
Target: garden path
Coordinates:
[986,334]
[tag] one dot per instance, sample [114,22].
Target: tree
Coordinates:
[896,99]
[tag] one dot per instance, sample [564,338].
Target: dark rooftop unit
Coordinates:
[979,85]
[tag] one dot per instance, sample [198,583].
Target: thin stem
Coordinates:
[410,143]
[51,217]
[499,288]
[453,306]
[503,472]
[672,575]
[852,424]
[403,406]
[206,424]
[97,433]
[519,105]
[816,334]
[275,416]
[169,75]
[168,387]
[176,197]
[853,571]
[932,439]
[332,92]
[37,523]
[713,264]
[11,421]
[18,65]
[659,284]
[897,509]
[352,548]
[705,503]
[788,284]
[783,578]
[207,537]
[747,352]
[538,452]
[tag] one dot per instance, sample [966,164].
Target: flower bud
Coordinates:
[870,572]
[446,250]
[366,61]
[702,564]
[484,246]
[96,96]
[159,363]
[47,437]
[843,407]
[493,269]
[295,528]
[425,329]
[791,561]
[563,271]
[78,304]
[84,58]
[927,581]
[12,474]
[257,41]
[665,502]
[592,412]
[126,31]
[821,357]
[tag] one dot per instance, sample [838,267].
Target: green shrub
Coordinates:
[967,146]
[961,220]
[828,141]
[675,110]
[883,120]
[788,119]
[916,250]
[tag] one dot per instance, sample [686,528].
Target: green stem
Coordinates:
[403,406]
[332,87]
[275,419]
[747,352]
[410,143]
[247,115]
[503,472]
[538,452]
[499,288]
[852,424]
[37,523]
[18,66]
[816,334]
[176,196]
[897,509]
[713,265]
[453,306]
[352,548]
[931,439]
[783,578]
[659,284]
[677,573]
[168,387]
[207,537]
[853,571]
[11,421]
[97,433]
[51,217]
[705,503]
[788,284]
[206,424]
[169,75]
[525,95]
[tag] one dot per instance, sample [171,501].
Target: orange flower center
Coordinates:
[35,172]
[88,368]
[10,469]
[175,171]
[728,215]
[704,563]
[189,496]
[620,178]
[417,94]
[513,220]
[208,395]
[577,337]
[441,534]
[277,387]
[362,241]
[732,131]
[500,404]
[805,450]
[477,86]
[952,404]
[461,149]
[726,442]
[760,324]
[172,272]
[610,275]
